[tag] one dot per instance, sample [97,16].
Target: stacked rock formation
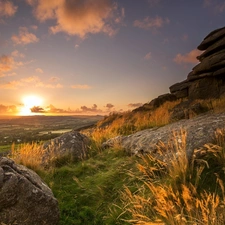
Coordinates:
[206,80]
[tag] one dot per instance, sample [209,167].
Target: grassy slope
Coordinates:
[89,192]
[109,188]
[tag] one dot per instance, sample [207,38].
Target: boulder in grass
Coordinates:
[24,198]
[73,145]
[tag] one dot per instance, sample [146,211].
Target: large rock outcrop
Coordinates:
[199,130]
[206,80]
[24,198]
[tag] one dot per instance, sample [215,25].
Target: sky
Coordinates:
[97,56]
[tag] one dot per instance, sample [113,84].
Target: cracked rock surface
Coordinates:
[199,131]
[24,198]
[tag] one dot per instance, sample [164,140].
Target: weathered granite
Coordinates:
[24,198]
[211,38]
[211,63]
[71,144]
[180,90]
[200,130]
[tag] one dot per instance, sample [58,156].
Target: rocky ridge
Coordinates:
[206,80]
[194,133]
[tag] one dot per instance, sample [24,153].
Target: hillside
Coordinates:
[163,163]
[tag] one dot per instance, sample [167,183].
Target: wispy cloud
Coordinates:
[80,86]
[33,81]
[148,56]
[34,27]
[7,9]
[151,23]
[79,17]
[8,109]
[24,37]
[6,64]
[54,79]
[153,3]
[16,53]
[218,6]
[187,58]
[39,70]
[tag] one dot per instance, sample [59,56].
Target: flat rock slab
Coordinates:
[24,198]
[199,131]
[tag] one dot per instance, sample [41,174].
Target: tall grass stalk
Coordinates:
[173,192]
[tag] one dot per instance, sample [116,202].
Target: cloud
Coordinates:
[37,109]
[83,110]
[11,85]
[109,106]
[7,8]
[24,37]
[151,23]
[33,81]
[80,86]
[8,109]
[6,64]
[79,17]
[39,70]
[148,56]
[17,54]
[134,105]
[153,3]
[53,109]
[34,27]
[187,58]
[54,79]
[94,108]
[218,6]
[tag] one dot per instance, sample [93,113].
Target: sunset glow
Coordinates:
[28,103]
[95,57]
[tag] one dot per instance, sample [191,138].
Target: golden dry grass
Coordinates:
[29,155]
[171,193]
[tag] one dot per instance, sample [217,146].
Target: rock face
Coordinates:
[206,80]
[156,102]
[200,130]
[24,198]
[71,144]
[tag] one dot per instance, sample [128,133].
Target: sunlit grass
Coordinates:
[178,192]
[110,187]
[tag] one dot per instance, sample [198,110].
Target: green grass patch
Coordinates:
[89,192]
[5,148]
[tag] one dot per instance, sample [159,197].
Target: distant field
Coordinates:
[22,129]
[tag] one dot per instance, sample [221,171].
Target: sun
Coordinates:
[29,102]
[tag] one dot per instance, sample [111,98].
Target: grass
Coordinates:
[180,191]
[130,122]
[5,148]
[111,187]
[88,192]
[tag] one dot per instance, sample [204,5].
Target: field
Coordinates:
[25,129]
